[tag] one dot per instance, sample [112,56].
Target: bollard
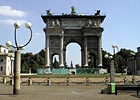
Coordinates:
[67,81]
[106,81]
[30,81]
[133,80]
[4,80]
[87,81]
[11,81]
[125,80]
[48,81]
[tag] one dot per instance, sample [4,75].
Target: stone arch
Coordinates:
[65,53]
[78,28]
[73,40]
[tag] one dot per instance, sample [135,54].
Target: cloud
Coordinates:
[38,34]
[12,21]
[8,11]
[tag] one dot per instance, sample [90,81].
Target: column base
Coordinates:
[47,66]
[99,65]
[47,70]
[86,65]
[61,66]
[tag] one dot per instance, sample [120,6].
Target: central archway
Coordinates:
[73,55]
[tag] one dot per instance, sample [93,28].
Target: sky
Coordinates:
[121,25]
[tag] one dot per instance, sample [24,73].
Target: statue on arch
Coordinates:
[73,10]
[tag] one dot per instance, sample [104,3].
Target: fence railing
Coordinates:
[65,81]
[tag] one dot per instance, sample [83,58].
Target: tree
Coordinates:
[34,66]
[92,60]
[24,67]
[39,60]
[55,63]
[25,64]
[77,66]
[106,61]
[121,59]
[119,64]
[42,53]
[28,60]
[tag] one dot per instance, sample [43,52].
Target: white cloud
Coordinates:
[38,34]
[8,11]
[12,21]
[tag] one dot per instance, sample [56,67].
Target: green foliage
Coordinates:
[121,59]
[24,67]
[34,61]
[55,63]
[28,60]
[106,61]
[77,66]
[92,60]
[38,59]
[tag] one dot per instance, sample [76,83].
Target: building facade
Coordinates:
[133,63]
[6,61]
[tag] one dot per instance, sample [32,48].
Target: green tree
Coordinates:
[24,67]
[77,66]
[38,59]
[55,63]
[42,53]
[106,61]
[34,66]
[121,59]
[25,64]
[92,60]
[119,64]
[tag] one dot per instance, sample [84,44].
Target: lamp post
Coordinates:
[112,79]
[112,63]
[17,61]
[115,46]
[114,53]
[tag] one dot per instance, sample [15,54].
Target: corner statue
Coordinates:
[73,10]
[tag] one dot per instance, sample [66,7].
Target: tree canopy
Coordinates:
[34,61]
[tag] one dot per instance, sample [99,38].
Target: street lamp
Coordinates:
[112,70]
[17,61]
[114,53]
[115,46]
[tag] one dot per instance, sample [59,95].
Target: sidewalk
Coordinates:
[76,92]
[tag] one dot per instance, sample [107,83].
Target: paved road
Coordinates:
[55,92]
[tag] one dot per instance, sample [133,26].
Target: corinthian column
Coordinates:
[61,52]
[47,51]
[85,52]
[99,51]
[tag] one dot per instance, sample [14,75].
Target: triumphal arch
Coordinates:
[86,30]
